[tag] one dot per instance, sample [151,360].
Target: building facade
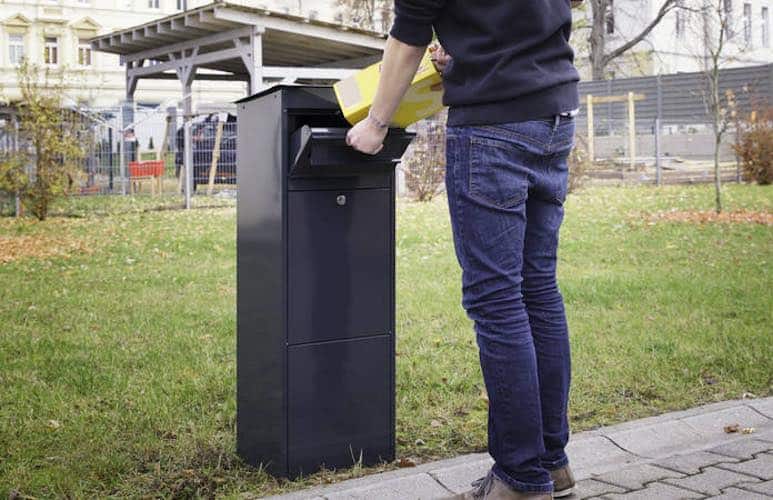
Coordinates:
[678,43]
[55,34]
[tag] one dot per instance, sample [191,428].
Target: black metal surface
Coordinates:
[340,402]
[323,151]
[339,247]
[315,286]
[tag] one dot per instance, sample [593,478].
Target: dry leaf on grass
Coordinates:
[406,462]
[710,216]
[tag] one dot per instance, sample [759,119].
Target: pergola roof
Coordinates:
[287,40]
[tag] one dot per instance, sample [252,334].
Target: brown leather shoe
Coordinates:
[563,481]
[493,488]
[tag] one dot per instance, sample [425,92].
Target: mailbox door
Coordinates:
[340,264]
[339,404]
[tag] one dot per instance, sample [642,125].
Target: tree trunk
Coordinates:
[717,180]
[597,39]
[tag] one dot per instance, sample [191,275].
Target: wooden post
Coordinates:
[632,129]
[215,156]
[589,106]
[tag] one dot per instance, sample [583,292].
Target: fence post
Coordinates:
[589,107]
[632,129]
[657,151]
[188,151]
[18,209]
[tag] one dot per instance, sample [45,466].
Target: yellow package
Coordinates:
[423,98]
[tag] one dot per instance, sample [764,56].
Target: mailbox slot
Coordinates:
[319,151]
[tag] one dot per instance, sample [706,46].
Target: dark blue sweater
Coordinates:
[511,58]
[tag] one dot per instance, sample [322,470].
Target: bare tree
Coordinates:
[603,24]
[712,23]
[369,14]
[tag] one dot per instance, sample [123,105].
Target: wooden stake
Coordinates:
[215,157]
[591,152]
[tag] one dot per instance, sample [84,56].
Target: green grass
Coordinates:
[117,344]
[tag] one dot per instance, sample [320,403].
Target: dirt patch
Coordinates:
[13,248]
[708,216]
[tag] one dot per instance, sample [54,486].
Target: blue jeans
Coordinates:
[506,185]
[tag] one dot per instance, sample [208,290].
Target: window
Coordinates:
[84,53]
[51,50]
[154,4]
[728,4]
[182,4]
[610,17]
[747,23]
[15,48]
[765,28]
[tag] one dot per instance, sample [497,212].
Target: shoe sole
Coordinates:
[563,493]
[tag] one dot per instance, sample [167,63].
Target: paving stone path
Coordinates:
[679,455]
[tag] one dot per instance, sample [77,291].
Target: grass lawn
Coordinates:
[117,344]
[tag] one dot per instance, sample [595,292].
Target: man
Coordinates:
[511,88]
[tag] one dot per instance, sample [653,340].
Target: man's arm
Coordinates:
[408,39]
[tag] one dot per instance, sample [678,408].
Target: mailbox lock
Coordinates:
[341,200]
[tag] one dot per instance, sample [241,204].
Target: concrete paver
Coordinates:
[714,423]
[657,440]
[634,477]
[761,467]
[659,491]
[743,448]
[711,481]
[680,455]
[739,494]
[692,463]
[419,486]
[460,477]
[589,488]
[764,488]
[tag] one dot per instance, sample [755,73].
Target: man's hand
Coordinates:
[440,58]
[575,3]
[366,137]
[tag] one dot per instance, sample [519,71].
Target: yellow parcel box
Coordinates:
[424,97]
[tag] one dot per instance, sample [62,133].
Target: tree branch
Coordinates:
[665,8]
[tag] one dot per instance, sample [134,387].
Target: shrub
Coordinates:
[754,147]
[579,164]
[424,164]
[52,143]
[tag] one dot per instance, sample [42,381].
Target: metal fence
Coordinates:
[141,150]
[670,123]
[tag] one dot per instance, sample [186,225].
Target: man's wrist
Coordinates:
[381,124]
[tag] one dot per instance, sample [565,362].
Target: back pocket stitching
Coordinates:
[474,188]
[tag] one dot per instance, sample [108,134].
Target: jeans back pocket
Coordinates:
[498,175]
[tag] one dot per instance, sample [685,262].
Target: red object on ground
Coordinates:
[153,168]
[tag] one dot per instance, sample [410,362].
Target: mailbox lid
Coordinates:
[316,151]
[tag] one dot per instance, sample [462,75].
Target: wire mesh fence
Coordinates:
[140,151]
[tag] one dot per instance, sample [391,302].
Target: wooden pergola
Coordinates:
[231,41]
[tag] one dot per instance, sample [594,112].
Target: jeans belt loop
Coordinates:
[555,122]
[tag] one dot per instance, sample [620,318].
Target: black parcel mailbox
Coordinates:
[315,286]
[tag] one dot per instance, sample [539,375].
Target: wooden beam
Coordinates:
[603,99]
